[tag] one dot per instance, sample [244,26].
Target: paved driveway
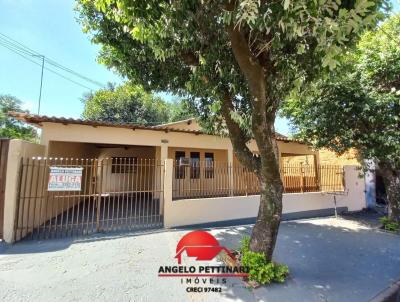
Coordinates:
[330,260]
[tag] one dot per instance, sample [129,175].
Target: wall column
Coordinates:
[164,152]
[18,149]
[162,155]
[370,184]
[168,166]
[355,187]
[230,170]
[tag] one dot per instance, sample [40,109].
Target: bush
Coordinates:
[390,225]
[261,270]
[245,245]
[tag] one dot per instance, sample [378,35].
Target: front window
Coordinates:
[179,168]
[194,165]
[209,165]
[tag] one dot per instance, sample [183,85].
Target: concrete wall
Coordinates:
[141,178]
[110,181]
[71,150]
[209,210]
[190,124]
[287,159]
[328,157]
[111,135]
[18,149]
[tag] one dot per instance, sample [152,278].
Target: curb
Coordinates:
[389,294]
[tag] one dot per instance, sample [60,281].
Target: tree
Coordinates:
[181,109]
[132,104]
[235,60]
[358,106]
[9,127]
[124,104]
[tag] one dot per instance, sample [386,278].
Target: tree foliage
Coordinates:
[235,60]
[181,109]
[132,104]
[184,47]
[358,105]
[9,127]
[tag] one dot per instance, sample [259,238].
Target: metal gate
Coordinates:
[110,194]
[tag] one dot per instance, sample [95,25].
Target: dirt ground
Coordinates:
[329,259]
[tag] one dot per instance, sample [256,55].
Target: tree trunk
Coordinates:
[266,167]
[265,231]
[391,178]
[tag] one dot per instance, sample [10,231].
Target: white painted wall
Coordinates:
[208,210]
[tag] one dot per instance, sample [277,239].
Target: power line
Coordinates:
[11,46]
[21,53]
[16,46]
[18,43]
[57,65]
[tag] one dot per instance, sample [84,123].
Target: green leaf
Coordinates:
[286,4]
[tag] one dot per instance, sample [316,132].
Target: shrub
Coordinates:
[390,225]
[245,244]
[261,270]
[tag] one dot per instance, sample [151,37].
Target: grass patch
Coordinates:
[390,225]
[261,270]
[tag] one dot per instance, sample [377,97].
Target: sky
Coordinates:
[49,27]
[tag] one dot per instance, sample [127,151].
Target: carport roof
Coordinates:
[37,120]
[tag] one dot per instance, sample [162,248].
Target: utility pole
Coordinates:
[41,82]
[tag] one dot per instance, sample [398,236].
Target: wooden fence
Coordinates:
[213,179]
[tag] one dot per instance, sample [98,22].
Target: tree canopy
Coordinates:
[235,60]
[9,127]
[357,105]
[185,48]
[132,104]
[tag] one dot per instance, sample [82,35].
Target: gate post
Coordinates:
[230,172]
[99,192]
[18,149]
[355,188]
[168,166]
[14,164]
[4,143]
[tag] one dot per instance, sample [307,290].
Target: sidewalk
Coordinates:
[329,260]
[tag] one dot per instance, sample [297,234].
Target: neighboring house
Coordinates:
[348,158]
[325,157]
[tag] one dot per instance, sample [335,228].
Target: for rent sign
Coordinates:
[65,179]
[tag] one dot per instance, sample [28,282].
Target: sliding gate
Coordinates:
[70,197]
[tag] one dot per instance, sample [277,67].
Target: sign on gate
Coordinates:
[65,179]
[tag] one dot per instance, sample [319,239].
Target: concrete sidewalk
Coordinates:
[329,259]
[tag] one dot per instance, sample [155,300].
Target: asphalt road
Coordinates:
[329,259]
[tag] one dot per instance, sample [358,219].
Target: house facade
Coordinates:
[150,176]
[125,144]
[78,138]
